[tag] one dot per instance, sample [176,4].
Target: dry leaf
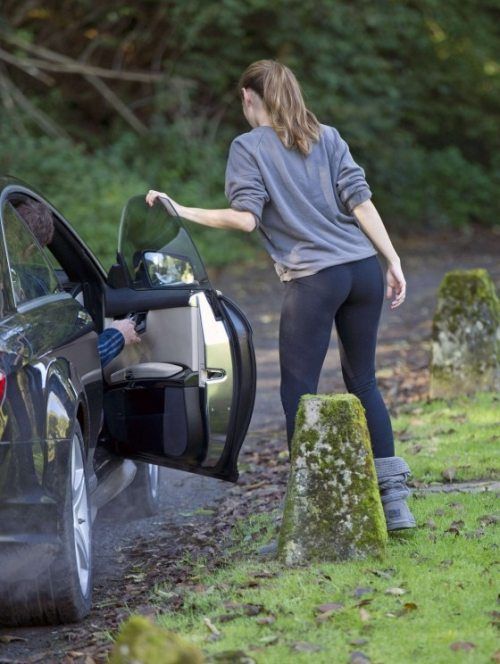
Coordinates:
[409,606]
[395,591]
[448,474]
[9,638]
[211,626]
[358,657]
[359,592]
[462,645]
[364,615]
[304,646]
[330,607]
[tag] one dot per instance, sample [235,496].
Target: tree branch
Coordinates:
[66,65]
[38,116]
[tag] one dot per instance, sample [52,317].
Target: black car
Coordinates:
[74,436]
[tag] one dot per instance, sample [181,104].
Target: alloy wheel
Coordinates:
[81,516]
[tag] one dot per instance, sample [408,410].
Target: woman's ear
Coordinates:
[246,96]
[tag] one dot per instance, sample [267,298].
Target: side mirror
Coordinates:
[164,269]
[117,276]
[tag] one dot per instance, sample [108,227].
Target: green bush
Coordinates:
[90,189]
[412,85]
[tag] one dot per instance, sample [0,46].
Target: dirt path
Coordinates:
[185,522]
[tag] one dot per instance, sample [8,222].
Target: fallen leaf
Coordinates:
[227,617]
[448,474]
[269,639]
[495,618]
[462,645]
[488,519]
[304,646]
[252,609]
[383,573]
[211,626]
[395,591]
[330,607]
[232,657]
[364,615]
[9,638]
[475,534]
[408,607]
[359,592]
[266,620]
[358,642]
[446,563]
[364,602]
[455,527]
[358,657]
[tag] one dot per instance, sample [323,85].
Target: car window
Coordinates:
[30,272]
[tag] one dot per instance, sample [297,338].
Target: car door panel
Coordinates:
[183,396]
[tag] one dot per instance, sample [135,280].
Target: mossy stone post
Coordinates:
[140,641]
[332,506]
[465,335]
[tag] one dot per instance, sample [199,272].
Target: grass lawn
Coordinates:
[460,438]
[431,599]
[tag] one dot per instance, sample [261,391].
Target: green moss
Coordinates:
[332,508]
[465,344]
[142,642]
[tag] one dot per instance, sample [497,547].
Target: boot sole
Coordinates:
[401,526]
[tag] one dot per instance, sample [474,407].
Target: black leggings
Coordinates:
[351,294]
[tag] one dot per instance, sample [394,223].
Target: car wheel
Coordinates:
[142,496]
[62,592]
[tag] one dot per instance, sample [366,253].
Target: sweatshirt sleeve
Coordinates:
[245,189]
[351,184]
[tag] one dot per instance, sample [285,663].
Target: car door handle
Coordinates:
[215,375]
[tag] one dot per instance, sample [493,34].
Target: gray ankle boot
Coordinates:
[392,473]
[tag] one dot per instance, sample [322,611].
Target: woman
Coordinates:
[296,182]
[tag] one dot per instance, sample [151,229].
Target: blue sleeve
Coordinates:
[245,189]
[351,184]
[110,344]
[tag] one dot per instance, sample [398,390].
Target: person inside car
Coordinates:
[40,221]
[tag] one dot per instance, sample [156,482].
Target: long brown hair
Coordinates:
[280,91]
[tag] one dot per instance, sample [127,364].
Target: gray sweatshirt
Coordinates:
[302,204]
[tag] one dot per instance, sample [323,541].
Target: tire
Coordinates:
[142,496]
[62,592]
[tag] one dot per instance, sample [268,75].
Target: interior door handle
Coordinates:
[216,375]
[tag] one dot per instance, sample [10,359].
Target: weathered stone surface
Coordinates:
[465,335]
[332,506]
[142,642]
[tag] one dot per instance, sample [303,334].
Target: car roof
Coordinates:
[8,182]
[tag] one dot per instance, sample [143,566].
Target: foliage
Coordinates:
[90,190]
[413,85]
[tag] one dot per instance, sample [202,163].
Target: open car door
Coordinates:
[184,396]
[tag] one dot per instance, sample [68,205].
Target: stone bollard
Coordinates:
[332,507]
[140,641]
[465,335]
